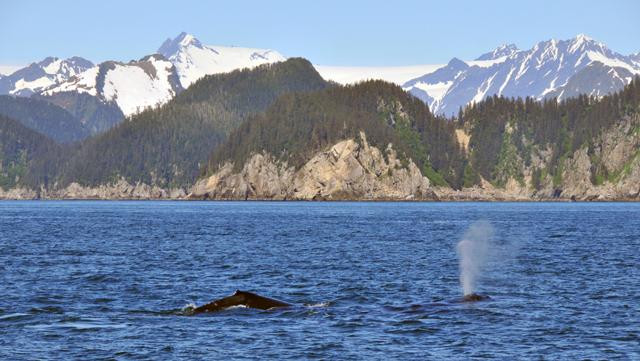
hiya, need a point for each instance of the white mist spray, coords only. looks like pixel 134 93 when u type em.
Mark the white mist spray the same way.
pixel 473 251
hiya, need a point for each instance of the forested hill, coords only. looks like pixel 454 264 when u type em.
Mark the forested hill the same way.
pixel 27 158
pixel 500 148
pixel 168 145
pixel 513 137
pixel 43 117
pixel 297 126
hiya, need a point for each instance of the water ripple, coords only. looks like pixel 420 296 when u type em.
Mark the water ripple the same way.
pixel 117 280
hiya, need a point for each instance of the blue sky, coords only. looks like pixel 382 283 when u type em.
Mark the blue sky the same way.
pixel 326 32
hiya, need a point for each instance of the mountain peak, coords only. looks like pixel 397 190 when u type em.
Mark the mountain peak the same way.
pixel 172 46
pixel 499 52
pixel 457 63
pixel 582 37
pixel 581 42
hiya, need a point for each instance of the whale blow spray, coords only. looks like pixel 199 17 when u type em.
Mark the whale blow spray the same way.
pixel 473 250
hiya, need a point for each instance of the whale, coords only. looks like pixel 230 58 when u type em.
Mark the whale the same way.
pixel 474 297
pixel 241 298
pixel 253 300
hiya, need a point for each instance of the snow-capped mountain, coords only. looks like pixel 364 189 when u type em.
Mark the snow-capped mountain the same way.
pixel 193 60
pixel 38 76
pixel 133 86
pixel 499 52
pixel 635 58
pixel 550 69
pixel 432 87
pixel 136 85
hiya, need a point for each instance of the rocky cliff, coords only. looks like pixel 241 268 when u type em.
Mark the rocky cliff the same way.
pixel 609 169
pixel 118 190
pixel 606 169
pixel 350 169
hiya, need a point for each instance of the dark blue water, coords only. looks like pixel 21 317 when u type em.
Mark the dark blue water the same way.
pixel 112 280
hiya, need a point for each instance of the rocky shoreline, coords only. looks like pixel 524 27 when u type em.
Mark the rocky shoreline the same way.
pixel 353 170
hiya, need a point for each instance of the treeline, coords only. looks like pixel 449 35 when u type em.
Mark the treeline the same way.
pixel 27 158
pixel 94 113
pixel 498 123
pixel 297 126
pixel 43 117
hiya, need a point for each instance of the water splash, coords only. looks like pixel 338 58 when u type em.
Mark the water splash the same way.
pixel 472 251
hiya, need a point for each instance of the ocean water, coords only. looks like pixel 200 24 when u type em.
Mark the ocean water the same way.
pixel 115 280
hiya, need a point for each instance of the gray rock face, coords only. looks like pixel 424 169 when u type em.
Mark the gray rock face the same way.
pixel 617 150
pixel 348 170
pixel 118 190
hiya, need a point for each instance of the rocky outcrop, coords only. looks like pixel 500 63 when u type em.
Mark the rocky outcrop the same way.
pixel 19 193
pixel 118 190
pixel 616 159
pixel 353 169
pixel 513 191
pixel 350 169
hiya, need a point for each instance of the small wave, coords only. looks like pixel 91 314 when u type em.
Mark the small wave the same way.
pixel 47 309
pixel 175 311
pixel 80 325
pixel 319 305
pixel 103 300
pixel 13 316
pixel 189 307
pixel 100 278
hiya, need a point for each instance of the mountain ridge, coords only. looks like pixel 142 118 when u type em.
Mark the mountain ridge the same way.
pixel 537 72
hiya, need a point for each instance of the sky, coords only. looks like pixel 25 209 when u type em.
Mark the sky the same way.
pixel 364 33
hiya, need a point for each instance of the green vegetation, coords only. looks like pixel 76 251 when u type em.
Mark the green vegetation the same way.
pixel 508 164
pixel 564 126
pixel 299 125
pixel 168 145
pixel 44 118
pixel 95 114
pixel 469 176
pixel 26 156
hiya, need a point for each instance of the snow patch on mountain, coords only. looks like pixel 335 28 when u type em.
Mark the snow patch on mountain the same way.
pixel 503 51
pixel 540 72
pixel 193 60
pixel 133 86
pixel 38 76
pixel 393 74
pixel 431 88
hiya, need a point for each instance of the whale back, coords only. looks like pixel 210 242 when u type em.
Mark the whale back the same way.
pixel 241 298
pixel 474 297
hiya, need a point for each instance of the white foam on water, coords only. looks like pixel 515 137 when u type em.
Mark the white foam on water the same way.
pixel 318 305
